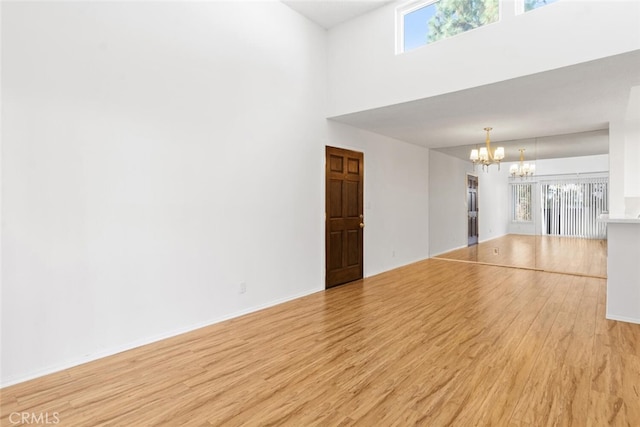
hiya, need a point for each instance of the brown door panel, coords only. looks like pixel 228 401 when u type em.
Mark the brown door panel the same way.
pixel 345 218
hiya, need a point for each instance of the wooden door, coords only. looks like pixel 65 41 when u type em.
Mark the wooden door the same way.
pixel 344 216
pixel 472 208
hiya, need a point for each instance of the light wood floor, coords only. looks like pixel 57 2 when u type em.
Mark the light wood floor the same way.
pixel 569 255
pixel 435 343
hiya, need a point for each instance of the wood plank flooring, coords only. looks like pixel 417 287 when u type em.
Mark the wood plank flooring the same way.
pixel 557 254
pixel 435 343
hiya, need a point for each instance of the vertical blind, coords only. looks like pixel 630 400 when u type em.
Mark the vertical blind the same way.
pixel 571 207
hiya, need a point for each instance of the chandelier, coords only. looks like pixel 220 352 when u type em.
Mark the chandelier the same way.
pixel 522 169
pixel 485 156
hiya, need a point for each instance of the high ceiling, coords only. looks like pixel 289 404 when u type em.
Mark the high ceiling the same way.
pixel 329 13
pixel 575 99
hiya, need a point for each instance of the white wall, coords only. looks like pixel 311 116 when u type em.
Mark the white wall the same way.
pixel 447 202
pixel 157 155
pixel 623 272
pixel 616 167
pixel 551 37
pixel 493 200
pixel 571 165
pixel 623 281
pixel 395 197
pixel 632 153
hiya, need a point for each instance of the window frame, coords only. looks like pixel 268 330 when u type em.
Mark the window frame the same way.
pixel 520 10
pixel 407 8
pixel 401 12
pixel 513 207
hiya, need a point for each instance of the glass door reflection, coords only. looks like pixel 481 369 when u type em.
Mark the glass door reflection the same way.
pixel 538 211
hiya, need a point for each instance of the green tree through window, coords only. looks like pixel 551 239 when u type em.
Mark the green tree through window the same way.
pixel 457 16
pixel 534 4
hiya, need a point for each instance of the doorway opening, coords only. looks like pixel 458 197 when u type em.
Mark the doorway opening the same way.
pixel 472 210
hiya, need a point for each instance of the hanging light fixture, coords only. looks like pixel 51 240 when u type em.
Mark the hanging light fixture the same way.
pixel 522 169
pixel 485 156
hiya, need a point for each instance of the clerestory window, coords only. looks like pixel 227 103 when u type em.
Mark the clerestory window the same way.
pixel 535 4
pixel 426 22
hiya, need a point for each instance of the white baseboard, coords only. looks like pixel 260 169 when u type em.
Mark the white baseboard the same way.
pixel 448 250
pixel 494 237
pixel 622 318
pixel 466 246
pixel 144 341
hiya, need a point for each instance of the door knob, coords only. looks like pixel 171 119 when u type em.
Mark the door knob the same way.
pixel 361 225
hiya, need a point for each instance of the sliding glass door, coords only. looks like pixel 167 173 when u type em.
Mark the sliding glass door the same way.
pixel 570 207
